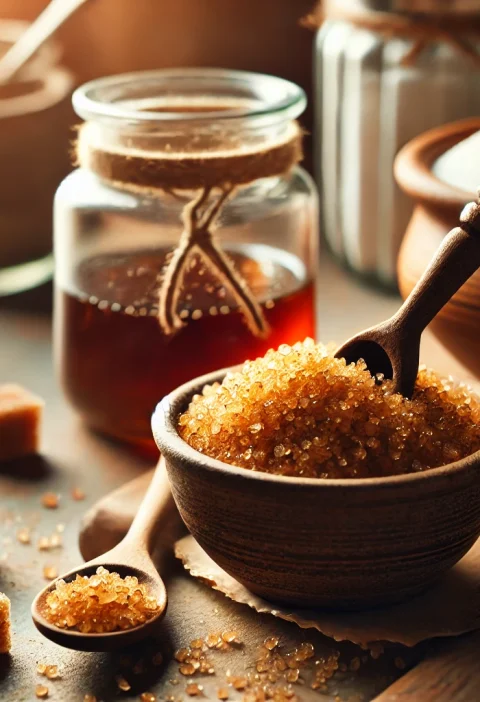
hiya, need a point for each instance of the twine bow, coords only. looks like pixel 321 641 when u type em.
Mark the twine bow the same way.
pixel 213 175
pixel 461 32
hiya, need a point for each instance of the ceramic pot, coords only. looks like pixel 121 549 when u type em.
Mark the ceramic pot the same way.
pixel 344 544
pixel 437 209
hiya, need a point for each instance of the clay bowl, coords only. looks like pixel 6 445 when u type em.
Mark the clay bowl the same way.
pixel 344 544
pixel 438 206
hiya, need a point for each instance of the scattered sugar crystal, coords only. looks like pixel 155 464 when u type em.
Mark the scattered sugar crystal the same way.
pixel 50 572
pixel 78 494
pixel 181 655
pixel 230 637
pixel 239 682
pixel 196 643
pixel 50 500
pixel 147 697
pixel 51 672
pixel 187 669
pixel 41 691
pixel 292 675
pixel 213 640
pixel 300 411
pixel 271 643
pixel 123 684
pixel 24 535
pixel 193 689
pixel 100 603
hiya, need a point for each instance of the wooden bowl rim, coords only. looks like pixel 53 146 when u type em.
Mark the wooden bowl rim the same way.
pixel 413 164
pixel 53 88
pixel 164 427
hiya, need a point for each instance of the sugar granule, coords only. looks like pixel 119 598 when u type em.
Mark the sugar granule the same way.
pixel 193 689
pixel 24 535
pixel 123 684
pixel 299 411
pixel 100 603
pixel 50 500
pixel 78 494
pixel 50 572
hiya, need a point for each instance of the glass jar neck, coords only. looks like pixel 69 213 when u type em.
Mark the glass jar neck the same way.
pixel 189 110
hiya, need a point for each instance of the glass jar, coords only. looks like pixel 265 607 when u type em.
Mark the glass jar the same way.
pixel 386 71
pixel 119 230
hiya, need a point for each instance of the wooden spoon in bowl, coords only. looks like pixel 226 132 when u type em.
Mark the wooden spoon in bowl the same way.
pixel 392 348
pixel 130 557
pixel 46 24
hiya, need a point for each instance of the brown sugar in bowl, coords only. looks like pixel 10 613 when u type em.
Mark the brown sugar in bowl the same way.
pixel 344 544
pixel 438 205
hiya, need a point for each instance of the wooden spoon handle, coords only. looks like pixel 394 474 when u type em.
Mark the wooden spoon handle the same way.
pixel 456 260
pixel 46 24
pixel 158 501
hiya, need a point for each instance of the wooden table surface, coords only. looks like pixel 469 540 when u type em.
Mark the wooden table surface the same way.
pixel 73 457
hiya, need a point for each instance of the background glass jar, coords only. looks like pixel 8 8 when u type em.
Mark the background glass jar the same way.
pixel 113 243
pixel 378 87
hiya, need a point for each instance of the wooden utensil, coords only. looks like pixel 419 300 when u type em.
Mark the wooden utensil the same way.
pixel 437 205
pixel 132 556
pixel 46 24
pixel 392 348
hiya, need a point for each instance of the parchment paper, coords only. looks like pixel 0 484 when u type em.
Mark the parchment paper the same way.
pixel 449 608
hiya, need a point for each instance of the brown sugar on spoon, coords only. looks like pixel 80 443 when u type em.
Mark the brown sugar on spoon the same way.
pixel 100 603
pixel 299 411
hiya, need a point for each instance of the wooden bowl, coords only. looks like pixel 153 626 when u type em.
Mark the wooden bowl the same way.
pixel 438 206
pixel 346 544
pixel 35 136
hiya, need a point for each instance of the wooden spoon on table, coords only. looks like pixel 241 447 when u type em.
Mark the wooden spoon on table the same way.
pixel 46 24
pixel 392 348
pixel 132 556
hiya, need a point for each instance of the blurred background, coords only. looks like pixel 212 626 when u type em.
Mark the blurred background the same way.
pixel 365 103
pixel 113 36
pixel 105 37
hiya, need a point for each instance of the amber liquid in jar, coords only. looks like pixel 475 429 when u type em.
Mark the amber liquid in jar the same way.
pixel 116 363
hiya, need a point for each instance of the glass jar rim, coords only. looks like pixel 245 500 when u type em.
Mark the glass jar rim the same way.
pixel 112 99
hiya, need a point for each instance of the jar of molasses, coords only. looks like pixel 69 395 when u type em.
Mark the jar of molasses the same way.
pixel 186 240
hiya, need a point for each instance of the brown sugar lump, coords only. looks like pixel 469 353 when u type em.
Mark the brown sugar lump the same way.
pixel 299 411
pixel 20 420
pixel 100 603
pixel 5 633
